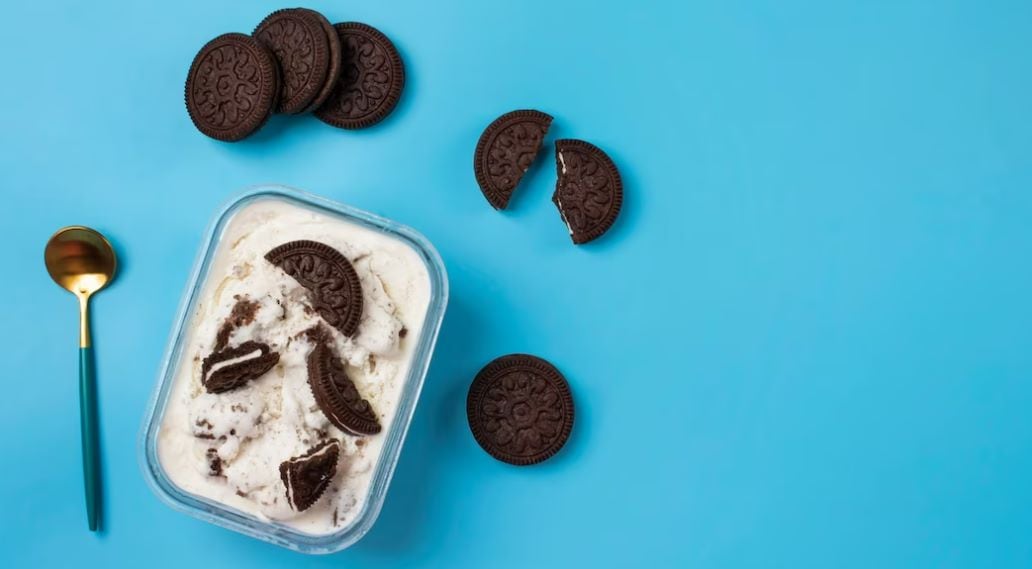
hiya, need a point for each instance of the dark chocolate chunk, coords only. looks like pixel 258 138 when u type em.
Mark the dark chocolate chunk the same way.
pixel 371 79
pixel 218 378
pixel 242 314
pixel 302 49
pixel 214 462
pixel 589 191
pixel 505 152
pixel 306 477
pixel 316 334
pixel 520 409
pixel 328 276
pixel 232 87
pixel 336 394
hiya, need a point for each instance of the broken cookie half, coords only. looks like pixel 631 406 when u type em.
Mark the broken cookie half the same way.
pixel 335 392
pixel 334 287
pixel 506 150
pixel 589 191
pixel 306 477
pixel 230 368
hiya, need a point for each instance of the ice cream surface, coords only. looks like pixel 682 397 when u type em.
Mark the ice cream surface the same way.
pixel 228 447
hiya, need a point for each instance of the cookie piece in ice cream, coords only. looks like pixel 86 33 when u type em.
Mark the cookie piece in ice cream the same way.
pixel 336 394
pixel 329 277
pixel 306 477
pixel 231 368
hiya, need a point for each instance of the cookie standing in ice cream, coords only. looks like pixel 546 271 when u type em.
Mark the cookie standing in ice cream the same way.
pixel 298 351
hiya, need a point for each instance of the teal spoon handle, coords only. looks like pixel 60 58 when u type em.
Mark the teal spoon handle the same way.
pixel 88 426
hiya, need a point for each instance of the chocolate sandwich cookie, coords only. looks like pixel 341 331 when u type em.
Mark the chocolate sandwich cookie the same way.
pixel 505 152
pixel 232 87
pixel 302 48
pixel 306 477
pixel 336 291
pixel 336 58
pixel 520 409
pixel 336 394
pixel 231 368
pixel 589 191
pixel 371 79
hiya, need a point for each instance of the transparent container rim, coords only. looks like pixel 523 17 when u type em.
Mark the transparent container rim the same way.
pixel 225 516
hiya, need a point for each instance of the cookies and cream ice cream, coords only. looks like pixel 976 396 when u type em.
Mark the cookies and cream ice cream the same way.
pixel 242 419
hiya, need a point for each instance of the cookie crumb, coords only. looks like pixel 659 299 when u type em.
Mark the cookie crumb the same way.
pixel 214 462
pixel 241 314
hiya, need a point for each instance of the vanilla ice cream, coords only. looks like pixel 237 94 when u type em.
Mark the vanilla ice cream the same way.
pixel 228 446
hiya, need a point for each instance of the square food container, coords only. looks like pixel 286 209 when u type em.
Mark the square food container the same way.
pixel 394 433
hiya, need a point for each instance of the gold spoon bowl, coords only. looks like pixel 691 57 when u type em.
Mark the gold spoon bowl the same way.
pixel 82 261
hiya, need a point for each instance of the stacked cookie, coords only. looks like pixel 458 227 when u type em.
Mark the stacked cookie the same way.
pixel 349 75
pixel 588 192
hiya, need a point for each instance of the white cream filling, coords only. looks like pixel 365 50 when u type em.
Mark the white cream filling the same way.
pixel 233 361
pixel 558 198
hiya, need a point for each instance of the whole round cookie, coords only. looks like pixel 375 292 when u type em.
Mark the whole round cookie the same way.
pixel 232 87
pixel 372 77
pixel 589 192
pixel 505 152
pixel 520 409
pixel 303 50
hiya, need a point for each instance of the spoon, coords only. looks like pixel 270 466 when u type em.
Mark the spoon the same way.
pixel 82 261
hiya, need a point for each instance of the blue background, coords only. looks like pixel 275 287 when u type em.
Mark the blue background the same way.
pixel 804 344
